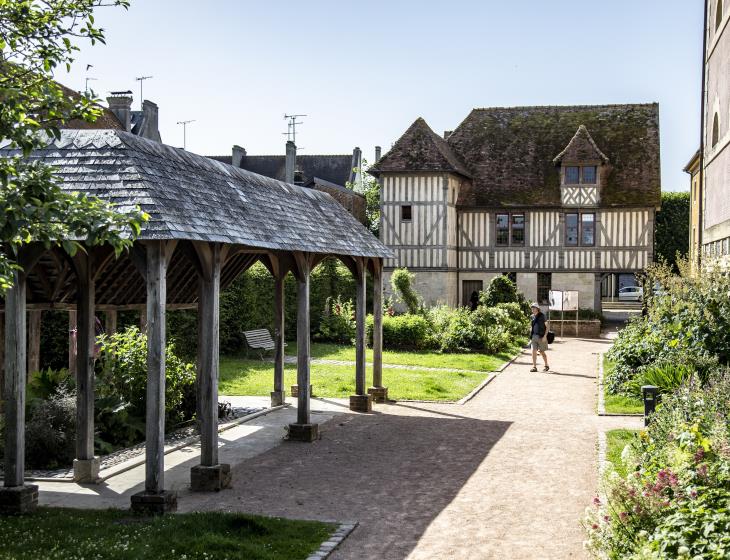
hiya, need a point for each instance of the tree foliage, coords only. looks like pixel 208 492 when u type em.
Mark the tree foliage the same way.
pixel 36 40
pixel 671 229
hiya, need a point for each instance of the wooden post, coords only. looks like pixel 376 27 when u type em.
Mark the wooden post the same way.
pixel 86 466
pixel 154 497
pixel 361 401
pixel 303 430
pixel 72 342
pixel 15 495
pixel 111 322
pixel 209 475
pixel 34 341
pixel 379 393
pixel 278 396
pixel 2 358
pixel 143 320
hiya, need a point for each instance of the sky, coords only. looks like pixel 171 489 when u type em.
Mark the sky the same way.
pixel 362 72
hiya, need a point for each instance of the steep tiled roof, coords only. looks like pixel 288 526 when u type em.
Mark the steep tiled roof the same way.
pixel 581 147
pixel 509 153
pixel 335 168
pixel 420 149
pixel 195 198
pixel 107 119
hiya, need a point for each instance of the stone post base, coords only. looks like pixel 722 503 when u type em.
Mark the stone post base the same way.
pixel 87 470
pixel 304 432
pixel 295 391
pixel 210 479
pixel 278 398
pixel 379 394
pixel 15 500
pixel 154 502
pixel 361 403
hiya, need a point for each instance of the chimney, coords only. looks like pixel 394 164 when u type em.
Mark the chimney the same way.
pixel 238 154
pixel 447 133
pixel 291 161
pixel 151 126
pixel 120 103
pixel 377 153
pixel 355 165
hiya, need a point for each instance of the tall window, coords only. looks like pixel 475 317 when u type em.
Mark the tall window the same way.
pixel 572 175
pixel 589 175
pixel 718 15
pixel 518 229
pixel 544 285
pixel 406 213
pixel 502 229
pixel 715 130
pixel 580 229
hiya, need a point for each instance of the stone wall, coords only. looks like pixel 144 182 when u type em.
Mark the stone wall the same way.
pixel 436 287
pixel 583 282
pixel 586 329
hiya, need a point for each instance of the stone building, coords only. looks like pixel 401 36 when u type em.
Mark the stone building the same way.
pixel 326 173
pixel 713 202
pixel 693 169
pixel 555 197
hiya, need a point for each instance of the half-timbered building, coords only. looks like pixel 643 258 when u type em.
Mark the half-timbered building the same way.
pixel 555 197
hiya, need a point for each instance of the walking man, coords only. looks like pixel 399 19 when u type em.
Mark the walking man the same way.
pixel 538 337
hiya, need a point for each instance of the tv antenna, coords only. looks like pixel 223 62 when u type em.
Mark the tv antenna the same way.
pixel 141 80
pixel 291 132
pixel 185 131
pixel 88 79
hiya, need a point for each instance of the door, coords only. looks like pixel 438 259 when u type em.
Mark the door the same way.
pixel 468 287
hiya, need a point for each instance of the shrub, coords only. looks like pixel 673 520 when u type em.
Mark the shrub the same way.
pixel 338 322
pixel 462 333
pixel 50 433
pixel 402 283
pixel 405 332
pixel 502 290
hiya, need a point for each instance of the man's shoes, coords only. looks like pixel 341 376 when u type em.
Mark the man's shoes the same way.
pixel 546 368
pixel 533 369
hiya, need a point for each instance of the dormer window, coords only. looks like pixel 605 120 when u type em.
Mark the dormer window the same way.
pixel 589 175
pixel 580 175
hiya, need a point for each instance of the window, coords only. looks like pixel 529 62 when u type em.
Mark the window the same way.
pixel 715 130
pixel 544 285
pixel 580 227
pixel 406 213
pixel 502 229
pixel 571 229
pixel 587 229
pixel 572 175
pixel 518 229
pixel 718 15
pixel 589 175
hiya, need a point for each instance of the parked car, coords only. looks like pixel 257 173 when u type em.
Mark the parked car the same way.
pixel 631 293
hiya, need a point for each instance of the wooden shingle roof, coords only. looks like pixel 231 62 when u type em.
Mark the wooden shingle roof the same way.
pixel 191 197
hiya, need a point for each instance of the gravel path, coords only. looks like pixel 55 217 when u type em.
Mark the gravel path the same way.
pixel 506 476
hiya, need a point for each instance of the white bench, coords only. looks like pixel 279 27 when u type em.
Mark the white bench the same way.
pixel 260 339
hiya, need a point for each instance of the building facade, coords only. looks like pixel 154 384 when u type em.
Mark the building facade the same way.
pixel 693 169
pixel 714 199
pixel 554 197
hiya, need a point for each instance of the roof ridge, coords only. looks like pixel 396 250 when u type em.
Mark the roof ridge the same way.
pixel 579 106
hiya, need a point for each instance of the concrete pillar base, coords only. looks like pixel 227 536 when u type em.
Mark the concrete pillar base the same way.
pixel 154 502
pixel 304 432
pixel 361 403
pixel 295 391
pixel 379 394
pixel 210 479
pixel 17 500
pixel 87 470
pixel 278 398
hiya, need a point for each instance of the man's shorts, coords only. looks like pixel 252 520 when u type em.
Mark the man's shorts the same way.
pixel 539 343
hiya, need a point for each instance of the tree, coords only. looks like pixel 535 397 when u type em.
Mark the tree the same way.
pixel 371 190
pixel 671 228
pixel 38 38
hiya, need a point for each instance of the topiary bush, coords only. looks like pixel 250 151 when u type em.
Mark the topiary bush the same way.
pixel 402 283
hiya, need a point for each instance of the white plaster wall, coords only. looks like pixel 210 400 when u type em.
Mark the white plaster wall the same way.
pixel 527 284
pixel 583 282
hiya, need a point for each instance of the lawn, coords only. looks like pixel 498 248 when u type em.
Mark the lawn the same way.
pixel 71 534
pixel 240 376
pixel 616 441
pixel 619 404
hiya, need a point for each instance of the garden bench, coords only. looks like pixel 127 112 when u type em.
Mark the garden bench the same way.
pixel 260 339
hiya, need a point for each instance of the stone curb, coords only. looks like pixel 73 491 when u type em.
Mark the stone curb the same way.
pixel 477 389
pixel 136 462
pixel 328 547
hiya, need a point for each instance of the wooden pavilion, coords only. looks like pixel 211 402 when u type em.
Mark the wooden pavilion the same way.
pixel 209 222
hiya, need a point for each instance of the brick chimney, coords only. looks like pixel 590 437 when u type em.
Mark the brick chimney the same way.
pixel 150 114
pixel 356 163
pixel 377 153
pixel 237 155
pixel 120 103
pixel 291 161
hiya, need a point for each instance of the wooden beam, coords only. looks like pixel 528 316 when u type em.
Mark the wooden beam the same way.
pixel 377 323
pixel 34 341
pixel 110 326
pixel 72 341
pixel 360 299
pixel 278 396
pixel 2 358
pixel 15 378
pixel 156 276
pixel 303 338
pixel 85 341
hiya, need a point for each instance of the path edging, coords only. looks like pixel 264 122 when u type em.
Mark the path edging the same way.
pixel 328 547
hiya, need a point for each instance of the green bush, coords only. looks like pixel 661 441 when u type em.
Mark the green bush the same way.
pixel 502 290
pixel 50 432
pixel 401 282
pixel 406 332
pixel 338 322
pixel 462 333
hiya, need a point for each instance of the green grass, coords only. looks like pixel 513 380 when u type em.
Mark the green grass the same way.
pixel 616 440
pixel 253 377
pixel 619 404
pixel 72 534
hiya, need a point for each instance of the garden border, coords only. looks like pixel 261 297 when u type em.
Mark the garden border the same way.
pixel 343 531
pixel 602 395
pixel 136 462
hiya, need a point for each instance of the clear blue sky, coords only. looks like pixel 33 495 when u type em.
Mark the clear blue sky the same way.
pixel 362 72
